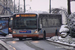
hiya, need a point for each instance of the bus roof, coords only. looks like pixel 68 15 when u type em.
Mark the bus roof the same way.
pixel 5 15
pixel 36 13
pixel 48 14
pixel 24 13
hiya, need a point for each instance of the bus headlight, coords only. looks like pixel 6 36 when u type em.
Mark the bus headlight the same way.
pixel 11 18
pixel 36 32
pixel 14 32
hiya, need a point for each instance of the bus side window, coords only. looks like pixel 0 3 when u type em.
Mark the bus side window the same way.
pixel 40 25
pixel 44 22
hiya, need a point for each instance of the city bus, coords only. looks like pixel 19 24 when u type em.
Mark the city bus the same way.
pixel 25 25
pixel 33 25
pixel 4 24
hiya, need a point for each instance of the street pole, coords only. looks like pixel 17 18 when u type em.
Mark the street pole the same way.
pixel 49 6
pixel 24 6
pixel 69 10
pixel 19 6
pixel 14 6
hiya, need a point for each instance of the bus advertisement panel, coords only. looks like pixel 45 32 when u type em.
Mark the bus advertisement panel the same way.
pixel 4 25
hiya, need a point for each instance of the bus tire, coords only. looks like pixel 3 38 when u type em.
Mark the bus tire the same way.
pixel 20 39
pixel 35 38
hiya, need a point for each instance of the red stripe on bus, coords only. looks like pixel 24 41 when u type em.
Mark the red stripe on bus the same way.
pixel 25 35
pixel 34 35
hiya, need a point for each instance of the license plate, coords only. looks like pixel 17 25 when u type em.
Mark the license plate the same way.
pixel 24 36
pixel 27 31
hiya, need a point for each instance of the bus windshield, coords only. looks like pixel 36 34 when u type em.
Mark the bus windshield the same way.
pixel 25 23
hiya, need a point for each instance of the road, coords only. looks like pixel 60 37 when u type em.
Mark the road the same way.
pixel 30 44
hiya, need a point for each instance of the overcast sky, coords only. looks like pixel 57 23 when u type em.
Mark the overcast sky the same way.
pixel 43 5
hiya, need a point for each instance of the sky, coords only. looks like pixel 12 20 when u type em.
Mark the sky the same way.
pixel 43 5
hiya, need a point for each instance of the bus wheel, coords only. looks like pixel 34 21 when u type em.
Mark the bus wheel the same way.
pixel 20 38
pixel 35 38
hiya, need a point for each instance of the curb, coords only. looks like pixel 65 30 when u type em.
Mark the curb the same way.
pixel 6 45
pixel 61 43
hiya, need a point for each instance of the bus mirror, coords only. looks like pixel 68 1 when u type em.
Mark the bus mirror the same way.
pixel 40 25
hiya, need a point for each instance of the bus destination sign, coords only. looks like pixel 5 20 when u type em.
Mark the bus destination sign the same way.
pixel 28 15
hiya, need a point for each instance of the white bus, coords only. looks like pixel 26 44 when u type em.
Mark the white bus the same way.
pixel 25 25
pixel 32 25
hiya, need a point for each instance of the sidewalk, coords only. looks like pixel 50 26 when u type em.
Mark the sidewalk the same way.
pixel 5 46
pixel 68 41
pixel 8 36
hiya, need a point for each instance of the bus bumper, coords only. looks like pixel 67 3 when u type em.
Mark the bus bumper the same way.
pixel 25 35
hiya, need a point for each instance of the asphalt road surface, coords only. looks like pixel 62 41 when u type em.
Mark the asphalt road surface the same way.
pixel 33 45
